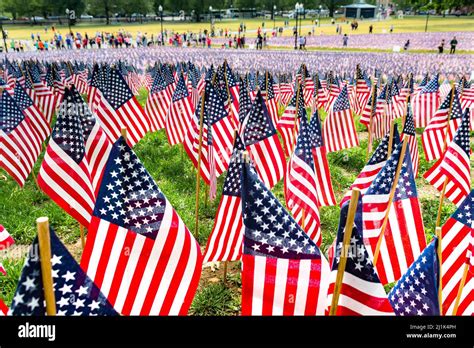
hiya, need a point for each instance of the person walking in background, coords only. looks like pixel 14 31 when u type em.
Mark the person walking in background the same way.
pixel 453 44
pixel 407 44
pixel 441 47
pixel 345 39
pixel 371 28
pixel 391 29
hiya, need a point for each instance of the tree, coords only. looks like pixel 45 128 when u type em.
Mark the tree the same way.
pixel 104 7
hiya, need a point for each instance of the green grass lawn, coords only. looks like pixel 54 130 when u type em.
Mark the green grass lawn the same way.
pixel 174 174
pixel 409 24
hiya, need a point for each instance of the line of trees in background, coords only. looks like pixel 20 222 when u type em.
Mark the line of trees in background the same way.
pixel 127 8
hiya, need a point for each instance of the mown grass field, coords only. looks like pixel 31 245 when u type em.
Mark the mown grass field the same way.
pixel 174 174
pixel 408 24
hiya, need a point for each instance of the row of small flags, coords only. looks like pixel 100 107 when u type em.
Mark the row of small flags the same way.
pixel 101 183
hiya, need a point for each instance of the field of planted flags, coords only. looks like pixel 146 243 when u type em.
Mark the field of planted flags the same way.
pixel 159 181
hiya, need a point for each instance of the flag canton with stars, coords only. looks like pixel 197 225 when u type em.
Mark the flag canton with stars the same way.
pixel 22 99
pixel 181 90
pixel 128 196
pixel 406 187
pixel 465 213
pixel 304 143
pixel 315 131
pixel 85 115
pixel 245 104
pixel 409 127
pixel 232 185
pixel 74 291
pixel 432 86
pixel 416 293
pixel 461 138
pixel 117 92
pixel 214 108
pixel 269 229
pixel 10 114
pixel 159 83
pixel 342 101
pixel 381 153
pixel 35 75
pixel 259 124
pixel 358 263
pixel 49 78
pixel 96 77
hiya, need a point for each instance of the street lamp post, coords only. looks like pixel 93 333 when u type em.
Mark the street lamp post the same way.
pixel 210 20
pixel 297 6
pixel 71 16
pixel 427 16
pixel 160 8
pixel 4 36
pixel 273 15
pixel 319 15
pixel 301 17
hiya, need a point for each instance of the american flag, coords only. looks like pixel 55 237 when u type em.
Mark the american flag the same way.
pixel 245 104
pixel 31 111
pixel 373 166
pixel 289 123
pixel 307 83
pixel 3 308
pixel 138 250
pixel 269 95
pixel 324 189
pixel 440 131
pixel 397 102
pixel 416 293
pixel 426 102
pixel 333 91
pixel 466 90
pixel 361 292
pixel 301 184
pixel 215 120
pixel 283 270
pixel 320 97
pixel 410 133
pixel 158 102
pixel 404 237
pixel 45 97
pixel 5 241
pixel 95 86
pixel 233 88
pixel 339 131
pixel 466 297
pixel 74 292
pixel 457 234
pixel 225 241
pixel 96 143
pixel 65 174
pixel 454 167
pixel 119 109
pixel 179 114
pixel 20 143
pixel 261 140
pixel 363 86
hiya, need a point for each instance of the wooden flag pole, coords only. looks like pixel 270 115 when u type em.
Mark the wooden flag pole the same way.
pixel 341 268
pixel 439 251
pixel 42 224
pixel 390 139
pixel 83 238
pixel 198 171
pixel 461 286
pixel 392 194
pixel 123 132
pixel 443 191
pixel 303 217
pixel 371 122
pixel 297 105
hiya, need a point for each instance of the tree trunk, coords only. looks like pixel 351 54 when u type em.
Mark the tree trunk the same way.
pixel 107 14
